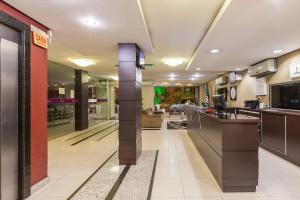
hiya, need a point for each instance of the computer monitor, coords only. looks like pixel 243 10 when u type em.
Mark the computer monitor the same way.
pixel 219 103
pixel 253 104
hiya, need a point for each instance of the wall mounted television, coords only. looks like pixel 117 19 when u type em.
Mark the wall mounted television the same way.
pixel 285 96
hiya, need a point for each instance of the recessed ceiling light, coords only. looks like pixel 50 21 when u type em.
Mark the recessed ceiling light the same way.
pixel 198 68
pixel 91 22
pixel 214 51
pixel 116 78
pixel 173 62
pixel 198 75
pixel 238 68
pixel 82 62
pixel 172 79
pixel 277 51
pixel 193 79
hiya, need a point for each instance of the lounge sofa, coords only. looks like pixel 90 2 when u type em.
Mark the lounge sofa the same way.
pixel 151 120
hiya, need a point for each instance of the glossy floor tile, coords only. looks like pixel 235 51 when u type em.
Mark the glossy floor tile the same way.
pixel 180 174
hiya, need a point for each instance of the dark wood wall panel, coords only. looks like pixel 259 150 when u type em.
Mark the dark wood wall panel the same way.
pixel 293 138
pixel 273 131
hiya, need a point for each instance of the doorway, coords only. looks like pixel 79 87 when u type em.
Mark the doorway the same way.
pixel 14 109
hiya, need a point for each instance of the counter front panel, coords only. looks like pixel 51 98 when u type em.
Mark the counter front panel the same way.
pixel 229 146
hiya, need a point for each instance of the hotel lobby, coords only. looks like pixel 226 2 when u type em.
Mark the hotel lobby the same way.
pixel 150 100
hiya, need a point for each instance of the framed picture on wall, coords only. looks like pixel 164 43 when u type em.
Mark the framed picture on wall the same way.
pixel 233 93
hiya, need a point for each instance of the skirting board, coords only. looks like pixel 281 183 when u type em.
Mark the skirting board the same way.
pixel 39 185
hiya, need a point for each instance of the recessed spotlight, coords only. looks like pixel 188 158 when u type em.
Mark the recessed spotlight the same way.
pixel 91 22
pixel 82 62
pixel 277 51
pixel 173 62
pixel 193 79
pixel 214 51
pixel 198 68
pixel 172 79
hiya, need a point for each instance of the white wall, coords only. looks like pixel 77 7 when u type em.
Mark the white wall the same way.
pixel 148 97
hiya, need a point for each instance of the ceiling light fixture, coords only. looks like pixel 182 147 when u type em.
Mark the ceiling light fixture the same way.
pixel 277 51
pixel 173 62
pixel 115 78
pixel 214 51
pixel 91 22
pixel 197 75
pixel 172 79
pixel 82 62
pixel 193 79
pixel 198 68
pixel 172 75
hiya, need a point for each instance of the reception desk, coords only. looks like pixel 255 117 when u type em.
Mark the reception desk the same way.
pixel 229 146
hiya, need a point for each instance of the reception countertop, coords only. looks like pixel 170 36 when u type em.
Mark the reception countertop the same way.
pixel 229 145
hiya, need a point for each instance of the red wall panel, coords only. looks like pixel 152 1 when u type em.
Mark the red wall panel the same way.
pixel 38 103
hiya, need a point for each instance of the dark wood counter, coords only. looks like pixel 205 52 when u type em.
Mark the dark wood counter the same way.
pixel 229 146
pixel 279 131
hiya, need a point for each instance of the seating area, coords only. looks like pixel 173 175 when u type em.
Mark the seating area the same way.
pixel 151 120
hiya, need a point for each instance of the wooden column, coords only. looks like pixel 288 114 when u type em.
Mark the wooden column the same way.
pixel 81 94
pixel 130 80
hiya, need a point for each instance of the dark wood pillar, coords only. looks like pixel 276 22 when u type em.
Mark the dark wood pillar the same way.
pixel 130 81
pixel 81 94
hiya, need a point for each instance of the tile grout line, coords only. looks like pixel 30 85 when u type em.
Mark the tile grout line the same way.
pixel 89 178
pixel 117 184
pixel 93 134
pixel 107 134
pixel 92 129
pixel 178 168
pixel 152 177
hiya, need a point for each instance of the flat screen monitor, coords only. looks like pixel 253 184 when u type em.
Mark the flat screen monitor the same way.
pixel 219 103
pixel 285 96
pixel 253 104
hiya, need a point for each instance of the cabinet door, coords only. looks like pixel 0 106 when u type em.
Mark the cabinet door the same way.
pixel 293 138
pixel 273 131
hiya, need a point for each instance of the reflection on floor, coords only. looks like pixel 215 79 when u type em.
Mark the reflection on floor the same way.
pixel 70 165
pixel 181 174
pixel 64 127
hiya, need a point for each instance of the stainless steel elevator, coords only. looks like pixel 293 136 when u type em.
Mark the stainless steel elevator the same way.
pixel 9 49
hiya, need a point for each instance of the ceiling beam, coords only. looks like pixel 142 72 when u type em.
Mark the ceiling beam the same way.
pixel 209 30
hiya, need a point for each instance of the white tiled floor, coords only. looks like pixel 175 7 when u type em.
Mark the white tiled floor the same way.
pixel 69 166
pixel 181 173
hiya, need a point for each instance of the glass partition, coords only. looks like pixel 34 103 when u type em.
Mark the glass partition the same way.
pixel 61 100
pixel 98 100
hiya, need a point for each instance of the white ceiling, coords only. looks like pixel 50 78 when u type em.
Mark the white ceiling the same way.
pixel 245 31
pixel 248 32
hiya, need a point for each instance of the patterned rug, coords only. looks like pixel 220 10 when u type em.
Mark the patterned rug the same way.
pixel 179 125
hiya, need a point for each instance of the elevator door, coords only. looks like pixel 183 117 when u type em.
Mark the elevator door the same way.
pixel 9 112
